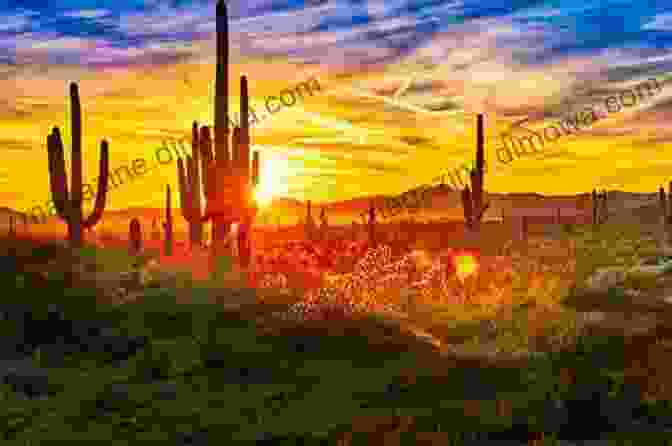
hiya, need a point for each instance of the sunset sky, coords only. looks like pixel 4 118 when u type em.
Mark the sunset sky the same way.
pixel 145 70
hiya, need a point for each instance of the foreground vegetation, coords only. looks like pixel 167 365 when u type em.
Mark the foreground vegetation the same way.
pixel 197 372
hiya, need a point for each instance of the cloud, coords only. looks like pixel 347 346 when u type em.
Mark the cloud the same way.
pixel 87 13
pixel 661 22
pixel 15 22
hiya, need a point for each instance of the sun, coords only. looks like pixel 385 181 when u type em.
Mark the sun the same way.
pixel 273 174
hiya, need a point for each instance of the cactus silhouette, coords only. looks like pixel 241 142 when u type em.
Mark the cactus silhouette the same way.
pixel 524 228
pixel 324 223
pixel 12 227
pixel 69 205
pixel 168 226
pixel 595 204
pixel 600 210
pixel 190 183
pixel 156 233
pixel 472 199
pixel 26 229
pixel 228 179
pixel 135 237
pixel 309 224
pixel 372 225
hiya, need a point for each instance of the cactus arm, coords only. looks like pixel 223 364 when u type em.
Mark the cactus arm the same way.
pixel 244 140
pixel 195 181
pixel 467 206
pixel 482 211
pixel 189 182
pixel 255 169
pixel 57 176
pixel 184 189
pixel 475 196
pixel 169 215
pixel 235 146
pixel 76 177
pixel 101 191
pixel 190 200
pixel 206 156
pixel 195 186
pixel 168 225
pixel 195 142
pixel 222 86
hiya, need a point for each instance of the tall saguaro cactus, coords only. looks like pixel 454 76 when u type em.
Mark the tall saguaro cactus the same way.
pixel 372 225
pixel 191 200
pixel 472 199
pixel 134 237
pixel 228 177
pixel 168 226
pixel 665 217
pixel 604 213
pixel 156 233
pixel 324 224
pixel 309 224
pixel 595 204
pixel 69 205
pixel 600 209
pixel 12 227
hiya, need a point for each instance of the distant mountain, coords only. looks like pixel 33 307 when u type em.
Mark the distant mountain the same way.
pixel 444 203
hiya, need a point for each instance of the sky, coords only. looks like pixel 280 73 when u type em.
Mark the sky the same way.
pixel 400 85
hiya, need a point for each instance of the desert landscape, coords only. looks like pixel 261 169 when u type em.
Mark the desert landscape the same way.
pixel 228 312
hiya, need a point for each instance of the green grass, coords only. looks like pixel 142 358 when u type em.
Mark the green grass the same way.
pixel 307 394
pixel 117 259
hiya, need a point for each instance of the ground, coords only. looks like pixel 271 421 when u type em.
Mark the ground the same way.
pixel 193 359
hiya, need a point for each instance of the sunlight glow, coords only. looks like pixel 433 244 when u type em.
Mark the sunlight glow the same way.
pixel 465 266
pixel 274 172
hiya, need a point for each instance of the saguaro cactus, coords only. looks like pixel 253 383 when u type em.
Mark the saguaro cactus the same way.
pixel 600 209
pixel 524 228
pixel 229 181
pixel 324 221
pixel 665 217
pixel 662 201
pixel 190 185
pixel 595 203
pixel 135 237
pixel 156 233
pixel 168 226
pixel 26 229
pixel 372 225
pixel 324 224
pixel 69 205
pixel 604 213
pixel 472 199
pixel 309 224
pixel 12 227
